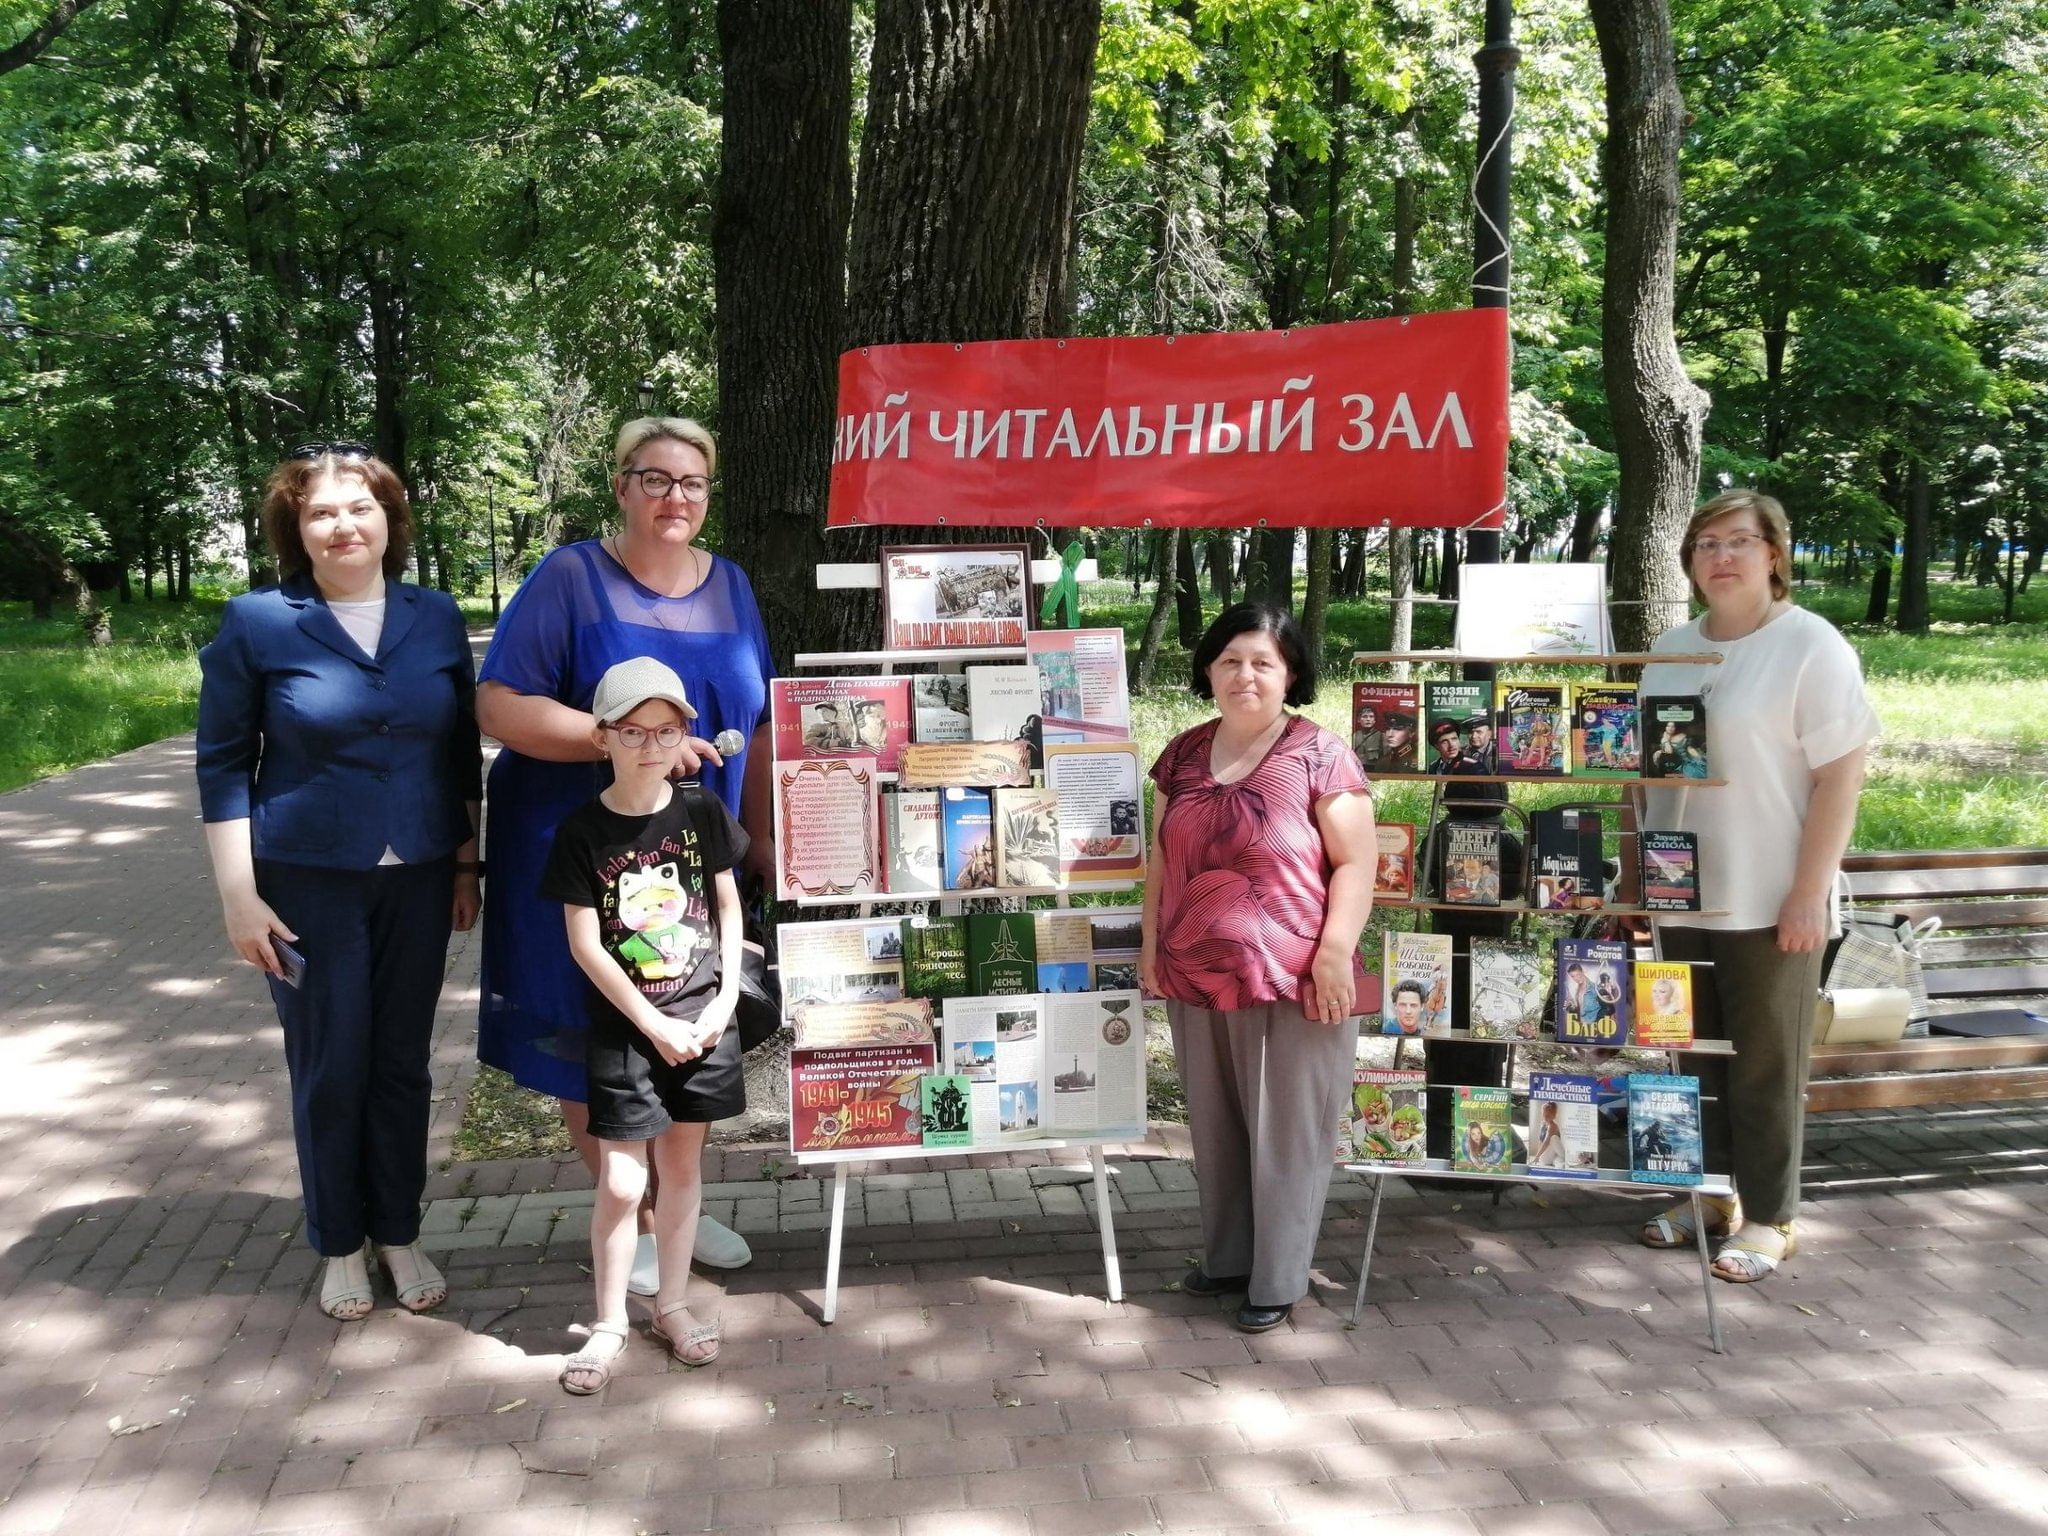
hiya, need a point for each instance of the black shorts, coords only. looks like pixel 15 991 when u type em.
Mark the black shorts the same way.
pixel 635 1095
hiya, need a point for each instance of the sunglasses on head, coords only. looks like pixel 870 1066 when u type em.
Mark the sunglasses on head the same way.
pixel 340 450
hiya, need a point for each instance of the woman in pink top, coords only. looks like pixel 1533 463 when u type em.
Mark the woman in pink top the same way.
pixel 1260 884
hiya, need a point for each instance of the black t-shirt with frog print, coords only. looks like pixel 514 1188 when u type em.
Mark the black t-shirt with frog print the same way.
pixel 651 880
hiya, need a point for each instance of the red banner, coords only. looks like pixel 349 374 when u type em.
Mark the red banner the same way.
pixel 1399 421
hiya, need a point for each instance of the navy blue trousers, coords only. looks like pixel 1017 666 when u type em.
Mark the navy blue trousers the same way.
pixel 358 1039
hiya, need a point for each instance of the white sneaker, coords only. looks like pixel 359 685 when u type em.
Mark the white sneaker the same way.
pixel 645 1279
pixel 719 1247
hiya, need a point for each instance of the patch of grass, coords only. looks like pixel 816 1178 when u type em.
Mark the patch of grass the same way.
pixel 503 1119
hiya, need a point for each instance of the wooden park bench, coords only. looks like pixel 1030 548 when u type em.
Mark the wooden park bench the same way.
pixel 1986 970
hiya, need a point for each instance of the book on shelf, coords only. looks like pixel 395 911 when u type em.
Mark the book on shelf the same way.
pixel 1065 950
pixel 1670 871
pixel 855 1072
pixel 1674 736
pixel 1101 809
pixel 955 596
pixel 938 707
pixel 840 717
pixel 1393 873
pixel 1534 725
pixel 1472 863
pixel 828 828
pixel 1606 731
pixel 1570 874
pixel 1482 1123
pixel 934 955
pixel 967 824
pixel 859 960
pixel 963 764
pixel 948 1106
pixel 1003 705
pixel 1002 953
pixel 1458 721
pixel 1509 990
pixel 1415 984
pixel 1563 1138
pixel 1047 1066
pixel 917 841
pixel 1387 1116
pixel 1663 1004
pixel 1664 1145
pixel 1592 992
pixel 1384 726
pixel 1027 832
pixel 1084 693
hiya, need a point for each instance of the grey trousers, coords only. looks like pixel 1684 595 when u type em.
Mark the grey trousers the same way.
pixel 1761 1000
pixel 1265 1088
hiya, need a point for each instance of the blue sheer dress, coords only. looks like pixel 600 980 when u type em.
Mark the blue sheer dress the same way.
pixel 577 614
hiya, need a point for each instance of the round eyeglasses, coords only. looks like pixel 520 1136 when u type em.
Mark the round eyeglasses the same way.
pixel 657 483
pixel 634 737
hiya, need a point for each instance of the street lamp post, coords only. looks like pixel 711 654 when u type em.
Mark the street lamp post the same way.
pixel 491 503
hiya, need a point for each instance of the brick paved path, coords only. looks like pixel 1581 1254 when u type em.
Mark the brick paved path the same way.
pixel 1525 1368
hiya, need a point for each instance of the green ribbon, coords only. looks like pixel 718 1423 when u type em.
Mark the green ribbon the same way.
pixel 1065 592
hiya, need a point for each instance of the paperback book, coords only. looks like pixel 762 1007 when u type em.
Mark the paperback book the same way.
pixel 1563 1137
pixel 1384 725
pixel 1101 825
pixel 1027 828
pixel 1674 736
pixel 1002 705
pixel 840 717
pixel 1534 726
pixel 1387 1116
pixel 1458 721
pixel 1393 874
pixel 938 707
pixel 967 821
pixel 1592 992
pixel 1082 687
pixel 1482 1121
pixel 1567 859
pixel 1509 990
pixel 1472 863
pixel 1670 871
pixel 934 956
pixel 1002 954
pixel 1415 984
pixel 917 841
pixel 1664 1129
pixel 1606 731
pixel 855 1072
pixel 1663 1004
pixel 948 1111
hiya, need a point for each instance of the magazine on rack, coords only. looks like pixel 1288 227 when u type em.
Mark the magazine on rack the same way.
pixel 1083 691
pixel 1415 983
pixel 1387 1113
pixel 840 717
pixel 1101 809
pixel 1048 1066
pixel 951 596
pixel 1563 1138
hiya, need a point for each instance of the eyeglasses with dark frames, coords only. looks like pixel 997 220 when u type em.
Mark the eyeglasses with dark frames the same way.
pixel 658 483
pixel 340 450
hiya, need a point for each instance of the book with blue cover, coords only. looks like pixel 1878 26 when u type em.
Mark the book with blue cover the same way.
pixel 970 846
pixel 1592 992
pixel 1664 1145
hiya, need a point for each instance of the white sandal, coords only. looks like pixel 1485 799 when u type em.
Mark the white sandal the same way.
pixel 696 1347
pixel 420 1286
pixel 1674 1228
pixel 1754 1252
pixel 345 1293
pixel 593 1371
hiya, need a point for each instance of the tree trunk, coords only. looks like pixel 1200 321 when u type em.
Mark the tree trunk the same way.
pixel 1913 559
pixel 1219 550
pixel 1400 589
pixel 1276 563
pixel 1880 589
pixel 1315 597
pixel 1447 565
pixel 781 292
pixel 970 150
pixel 1657 411
pixel 1162 607
pixel 1187 588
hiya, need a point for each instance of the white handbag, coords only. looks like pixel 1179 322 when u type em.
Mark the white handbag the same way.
pixel 1861 1016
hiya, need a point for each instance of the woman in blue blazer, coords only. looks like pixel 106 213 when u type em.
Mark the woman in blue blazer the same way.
pixel 339 779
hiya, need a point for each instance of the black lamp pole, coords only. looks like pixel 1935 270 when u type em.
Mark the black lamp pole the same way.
pixel 491 503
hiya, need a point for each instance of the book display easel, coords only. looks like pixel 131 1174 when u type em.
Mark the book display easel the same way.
pixel 1508 733
pixel 947 1017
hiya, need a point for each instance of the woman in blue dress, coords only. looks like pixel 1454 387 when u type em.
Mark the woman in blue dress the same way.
pixel 647 590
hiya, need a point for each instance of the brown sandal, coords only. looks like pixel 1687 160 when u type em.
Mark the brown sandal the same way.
pixel 697 1346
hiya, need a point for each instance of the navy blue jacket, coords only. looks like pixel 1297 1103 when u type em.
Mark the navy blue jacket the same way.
pixel 330 755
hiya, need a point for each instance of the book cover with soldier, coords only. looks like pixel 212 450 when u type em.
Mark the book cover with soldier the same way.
pixel 840 717
pixel 1385 718
pixel 948 1111
pixel 1457 720
pixel 1472 864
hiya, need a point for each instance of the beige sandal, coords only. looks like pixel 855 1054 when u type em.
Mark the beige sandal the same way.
pixel 345 1293
pixel 1754 1252
pixel 1674 1229
pixel 589 1371
pixel 419 1285
pixel 698 1346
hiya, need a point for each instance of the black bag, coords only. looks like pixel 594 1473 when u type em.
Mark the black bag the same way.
pixel 757 1013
